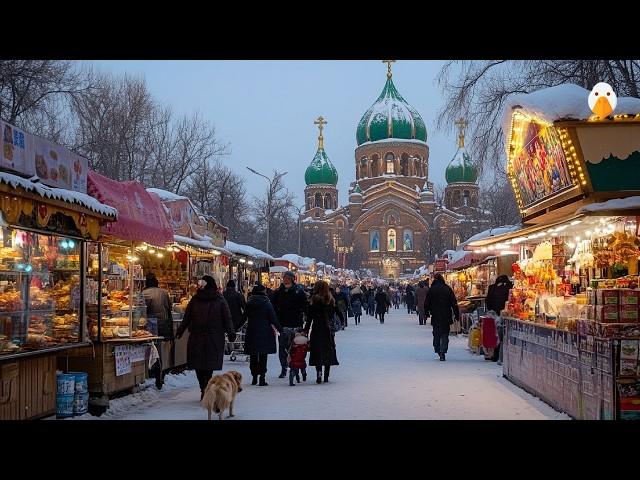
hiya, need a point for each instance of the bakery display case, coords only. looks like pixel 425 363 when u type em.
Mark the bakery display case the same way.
pixel 40 301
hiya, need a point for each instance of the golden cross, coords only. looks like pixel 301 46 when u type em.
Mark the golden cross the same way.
pixel 388 62
pixel 320 122
pixel 461 123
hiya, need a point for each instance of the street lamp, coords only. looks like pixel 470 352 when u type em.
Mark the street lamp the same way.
pixel 299 210
pixel 269 199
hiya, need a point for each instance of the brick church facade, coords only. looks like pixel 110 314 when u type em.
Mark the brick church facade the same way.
pixel 392 223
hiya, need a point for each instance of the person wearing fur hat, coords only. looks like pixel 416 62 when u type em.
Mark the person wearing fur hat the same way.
pixel 298 357
pixel 208 318
pixel 322 343
pixel 290 303
pixel 260 337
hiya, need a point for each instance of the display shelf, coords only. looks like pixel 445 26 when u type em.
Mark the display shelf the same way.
pixel 130 340
pixel 19 312
pixel 32 273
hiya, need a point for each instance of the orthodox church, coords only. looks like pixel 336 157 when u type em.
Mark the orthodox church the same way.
pixel 392 223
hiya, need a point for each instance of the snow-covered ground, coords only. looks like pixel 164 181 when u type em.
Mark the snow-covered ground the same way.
pixel 386 372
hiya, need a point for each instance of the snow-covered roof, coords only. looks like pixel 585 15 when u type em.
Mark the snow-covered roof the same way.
pixel 246 250
pixel 320 264
pixel 562 102
pixel 492 232
pixel 297 260
pixel 165 195
pixel 67 196
pixel 629 203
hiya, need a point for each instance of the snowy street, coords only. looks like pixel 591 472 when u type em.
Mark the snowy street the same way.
pixel 387 372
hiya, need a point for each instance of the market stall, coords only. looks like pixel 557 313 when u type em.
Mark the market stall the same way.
pixel 43 229
pixel 249 266
pixel 571 320
pixel 198 243
pixel 116 309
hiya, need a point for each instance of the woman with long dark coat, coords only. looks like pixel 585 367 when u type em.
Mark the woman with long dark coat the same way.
pixel 382 304
pixel 322 343
pixel 260 337
pixel 208 318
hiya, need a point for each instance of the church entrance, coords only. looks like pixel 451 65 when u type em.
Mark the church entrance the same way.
pixel 391 267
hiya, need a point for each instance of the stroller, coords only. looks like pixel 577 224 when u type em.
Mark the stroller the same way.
pixel 235 348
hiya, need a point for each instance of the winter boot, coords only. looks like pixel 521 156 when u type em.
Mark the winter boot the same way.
pixel 263 382
pixel 304 375
pixel 442 357
pixel 254 380
pixel 291 384
pixel 297 377
pixel 326 374
pixel 283 373
pixel 319 378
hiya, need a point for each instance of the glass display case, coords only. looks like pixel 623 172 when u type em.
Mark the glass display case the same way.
pixel 114 286
pixel 40 301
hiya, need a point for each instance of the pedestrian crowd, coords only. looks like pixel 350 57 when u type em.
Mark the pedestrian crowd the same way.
pixel 294 321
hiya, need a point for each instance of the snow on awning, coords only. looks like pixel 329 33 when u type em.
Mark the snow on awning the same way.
pixel 492 232
pixel 141 217
pixel 606 208
pixel 562 102
pixel 246 250
pixel 67 196
pixel 205 244
pixel 470 258
pixel 278 269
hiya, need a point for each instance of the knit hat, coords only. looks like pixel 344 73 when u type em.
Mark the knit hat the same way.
pixel 290 274
pixel 211 283
pixel 257 289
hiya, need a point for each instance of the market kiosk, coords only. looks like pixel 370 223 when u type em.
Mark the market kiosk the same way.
pixel 572 330
pixel 120 329
pixel 44 223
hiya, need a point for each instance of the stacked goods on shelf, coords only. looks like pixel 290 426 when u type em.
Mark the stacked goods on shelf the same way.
pixel 66 327
pixel 11 302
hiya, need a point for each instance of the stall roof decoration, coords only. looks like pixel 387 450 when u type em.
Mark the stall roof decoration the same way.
pixel 300 262
pixel 492 232
pixel 204 244
pixel 246 250
pixel 187 221
pixel 562 102
pixel 67 196
pixel 629 203
pixel 141 217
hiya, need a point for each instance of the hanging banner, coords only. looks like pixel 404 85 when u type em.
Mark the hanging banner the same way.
pixel 55 165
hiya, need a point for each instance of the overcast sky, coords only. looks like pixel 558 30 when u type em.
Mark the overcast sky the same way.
pixel 266 109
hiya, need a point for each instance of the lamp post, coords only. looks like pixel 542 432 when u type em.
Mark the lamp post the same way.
pixel 299 210
pixel 269 198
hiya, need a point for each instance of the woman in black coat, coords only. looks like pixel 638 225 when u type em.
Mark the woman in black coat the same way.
pixel 322 343
pixel 382 302
pixel 442 306
pixel 410 299
pixel 208 318
pixel 260 338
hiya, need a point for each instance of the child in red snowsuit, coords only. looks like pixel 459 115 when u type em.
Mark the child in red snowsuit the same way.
pixel 298 357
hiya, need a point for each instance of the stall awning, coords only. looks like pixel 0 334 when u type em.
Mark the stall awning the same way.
pixel 523 233
pixel 470 258
pixel 203 245
pixel 278 269
pixel 141 217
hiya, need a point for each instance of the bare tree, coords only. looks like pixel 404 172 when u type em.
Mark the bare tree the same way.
pixel 219 191
pixel 32 92
pixel 478 90
pixel 499 203
pixel 283 221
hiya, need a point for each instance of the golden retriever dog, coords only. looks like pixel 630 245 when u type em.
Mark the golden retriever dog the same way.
pixel 221 392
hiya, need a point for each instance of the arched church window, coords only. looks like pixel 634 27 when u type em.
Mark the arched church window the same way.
pixel 407 240
pixel 391 240
pixel 339 224
pixel 404 164
pixel 390 160
pixel 374 241
pixel 456 240
pixel 327 201
pixel 318 200
pixel 374 166
pixel 465 198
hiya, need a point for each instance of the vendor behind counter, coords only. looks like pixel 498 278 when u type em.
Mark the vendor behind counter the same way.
pixel 158 306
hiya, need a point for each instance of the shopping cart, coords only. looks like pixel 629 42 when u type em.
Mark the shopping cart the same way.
pixel 235 348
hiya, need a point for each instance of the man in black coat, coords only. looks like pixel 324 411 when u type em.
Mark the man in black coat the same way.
pixel 441 304
pixel 236 303
pixel 290 303
pixel 497 297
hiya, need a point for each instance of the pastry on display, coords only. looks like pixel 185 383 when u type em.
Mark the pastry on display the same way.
pixel 11 302
pixel 141 334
